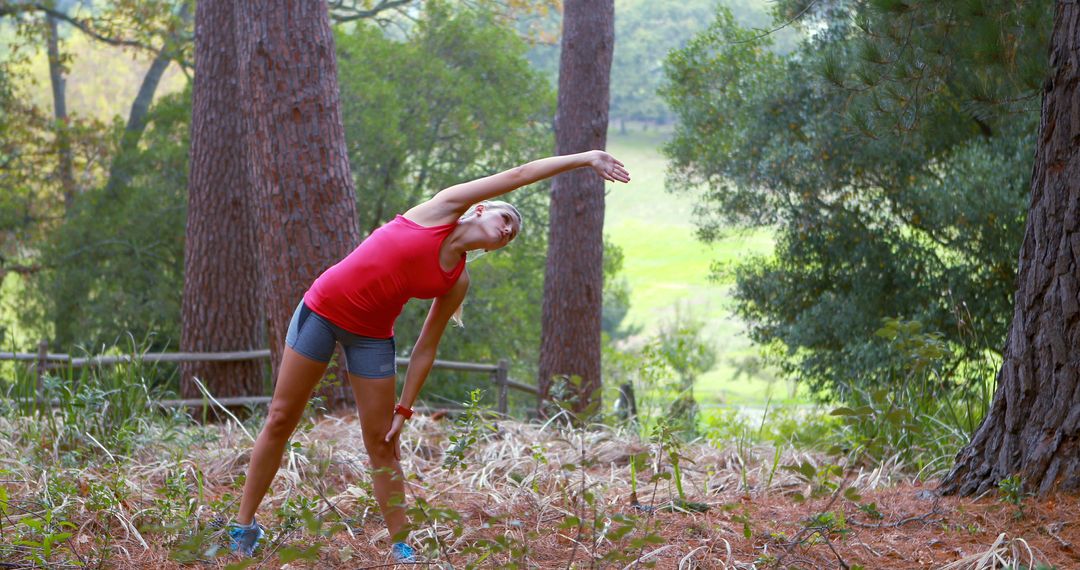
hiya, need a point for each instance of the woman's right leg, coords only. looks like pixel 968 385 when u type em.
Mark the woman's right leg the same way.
pixel 297 377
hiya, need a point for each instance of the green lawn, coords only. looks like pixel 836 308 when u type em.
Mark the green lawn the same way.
pixel 668 268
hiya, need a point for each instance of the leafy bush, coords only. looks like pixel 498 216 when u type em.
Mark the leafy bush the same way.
pixel 892 157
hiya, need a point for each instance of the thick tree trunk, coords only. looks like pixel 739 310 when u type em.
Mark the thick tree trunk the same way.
pixel 573 279
pixel 297 158
pixel 1032 429
pixel 221 279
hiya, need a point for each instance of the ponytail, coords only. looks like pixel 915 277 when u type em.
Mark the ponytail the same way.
pixel 456 317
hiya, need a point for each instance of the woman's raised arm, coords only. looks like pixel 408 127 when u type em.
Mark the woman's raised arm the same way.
pixel 455 200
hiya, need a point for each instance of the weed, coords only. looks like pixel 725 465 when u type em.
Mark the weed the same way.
pixel 473 424
pixel 1011 491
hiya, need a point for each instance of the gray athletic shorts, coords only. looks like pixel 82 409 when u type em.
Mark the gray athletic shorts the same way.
pixel 315 337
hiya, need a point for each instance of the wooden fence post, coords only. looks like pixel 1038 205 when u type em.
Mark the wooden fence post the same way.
pixel 502 374
pixel 43 354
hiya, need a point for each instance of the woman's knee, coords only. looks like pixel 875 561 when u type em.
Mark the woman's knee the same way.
pixel 380 452
pixel 281 422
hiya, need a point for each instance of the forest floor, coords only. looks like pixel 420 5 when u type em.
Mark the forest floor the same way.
pixel 525 495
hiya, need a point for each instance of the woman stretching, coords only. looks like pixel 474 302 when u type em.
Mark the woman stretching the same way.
pixel 419 254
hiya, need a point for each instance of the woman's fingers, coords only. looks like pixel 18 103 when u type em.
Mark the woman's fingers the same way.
pixel 611 169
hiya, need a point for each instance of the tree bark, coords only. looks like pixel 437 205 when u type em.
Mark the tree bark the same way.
pixel 1032 429
pixel 221 279
pixel 297 160
pixel 573 278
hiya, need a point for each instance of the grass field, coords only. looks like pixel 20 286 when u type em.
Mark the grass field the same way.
pixel 667 267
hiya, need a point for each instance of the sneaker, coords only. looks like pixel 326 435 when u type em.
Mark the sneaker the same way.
pixel 245 539
pixel 403 552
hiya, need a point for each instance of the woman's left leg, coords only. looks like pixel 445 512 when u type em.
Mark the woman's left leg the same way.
pixel 375 399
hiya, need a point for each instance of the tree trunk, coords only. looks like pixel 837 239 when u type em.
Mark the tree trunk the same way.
pixel 1032 429
pixel 67 308
pixel 297 159
pixel 573 278
pixel 221 279
pixel 140 107
pixel 66 167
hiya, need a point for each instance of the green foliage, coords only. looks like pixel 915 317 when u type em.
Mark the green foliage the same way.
pixel 890 152
pixel 644 34
pixel 452 102
pixel 1012 492
pixel 923 415
pixel 662 373
pixel 802 427
pixel 42 536
pixel 115 265
pixel 472 425
pixel 92 412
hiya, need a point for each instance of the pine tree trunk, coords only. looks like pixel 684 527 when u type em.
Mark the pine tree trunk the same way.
pixel 573 279
pixel 1032 429
pixel 221 279
pixel 297 158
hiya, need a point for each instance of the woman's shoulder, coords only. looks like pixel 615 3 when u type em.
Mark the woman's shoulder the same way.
pixel 432 213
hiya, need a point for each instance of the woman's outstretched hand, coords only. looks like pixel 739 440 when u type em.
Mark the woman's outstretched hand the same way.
pixel 608 166
pixel 394 435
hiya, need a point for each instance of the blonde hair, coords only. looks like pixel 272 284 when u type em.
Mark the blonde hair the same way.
pixel 489 205
pixel 496 205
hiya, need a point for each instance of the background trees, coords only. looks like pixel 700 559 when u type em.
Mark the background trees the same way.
pixel 890 152
pixel 446 98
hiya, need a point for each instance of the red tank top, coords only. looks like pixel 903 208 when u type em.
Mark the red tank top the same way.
pixel 365 292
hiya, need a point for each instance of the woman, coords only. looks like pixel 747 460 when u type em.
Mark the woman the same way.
pixel 419 254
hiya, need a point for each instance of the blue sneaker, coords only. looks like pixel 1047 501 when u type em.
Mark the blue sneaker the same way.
pixel 245 539
pixel 403 552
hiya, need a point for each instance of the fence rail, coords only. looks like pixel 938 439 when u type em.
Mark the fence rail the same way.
pixel 44 360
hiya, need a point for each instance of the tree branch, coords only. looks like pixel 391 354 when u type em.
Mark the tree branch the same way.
pixel 85 26
pixel 344 11
pixel 88 29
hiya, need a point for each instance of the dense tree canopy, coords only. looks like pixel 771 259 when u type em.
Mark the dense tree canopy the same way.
pixel 891 152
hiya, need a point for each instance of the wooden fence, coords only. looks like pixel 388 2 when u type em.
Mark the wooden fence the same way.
pixel 43 360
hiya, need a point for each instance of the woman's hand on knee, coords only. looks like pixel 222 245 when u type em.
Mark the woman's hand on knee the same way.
pixel 393 436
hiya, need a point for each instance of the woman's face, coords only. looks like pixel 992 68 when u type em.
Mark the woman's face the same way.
pixel 499 226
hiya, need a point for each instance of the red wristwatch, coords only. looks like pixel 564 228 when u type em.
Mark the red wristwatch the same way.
pixel 403 411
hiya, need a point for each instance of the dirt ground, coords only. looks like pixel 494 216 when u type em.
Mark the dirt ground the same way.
pixel 517 483
pixel 917 530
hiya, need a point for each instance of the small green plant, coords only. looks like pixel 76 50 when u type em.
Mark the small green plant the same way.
pixel 742 518
pixel 664 435
pixel 469 428
pixel 822 480
pixel 41 535
pixel 1011 491
pixel 869 509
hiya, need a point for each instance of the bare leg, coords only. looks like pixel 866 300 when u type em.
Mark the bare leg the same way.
pixel 297 377
pixel 375 399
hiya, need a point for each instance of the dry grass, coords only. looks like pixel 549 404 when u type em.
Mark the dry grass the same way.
pixel 514 484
